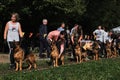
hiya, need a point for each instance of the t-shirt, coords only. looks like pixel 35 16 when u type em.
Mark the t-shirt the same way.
pixel 13 34
pixel 60 29
pixel 76 34
pixel 99 34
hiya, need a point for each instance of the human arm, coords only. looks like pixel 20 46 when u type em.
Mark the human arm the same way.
pixel 81 36
pixel 61 49
pixel 5 31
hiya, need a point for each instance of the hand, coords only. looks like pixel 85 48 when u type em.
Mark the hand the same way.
pixel 72 42
pixel 59 56
pixel 5 41
pixel 21 39
pixel 44 35
pixel 79 41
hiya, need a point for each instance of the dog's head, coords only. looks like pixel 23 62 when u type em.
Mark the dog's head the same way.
pixel 16 46
pixel 88 46
pixel 108 44
pixel 95 45
pixel 118 45
pixel 53 45
pixel 77 46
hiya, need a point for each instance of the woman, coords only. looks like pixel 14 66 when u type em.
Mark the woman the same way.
pixel 12 33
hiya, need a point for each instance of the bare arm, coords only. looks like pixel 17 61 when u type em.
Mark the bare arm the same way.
pixel 5 31
pixel 20 31
pixel 72 39
pixel 80 38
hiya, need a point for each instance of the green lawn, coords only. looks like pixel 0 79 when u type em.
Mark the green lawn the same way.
pixel 105 69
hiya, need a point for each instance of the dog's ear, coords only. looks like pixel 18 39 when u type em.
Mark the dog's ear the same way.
pixel 53 42
pixel 17 43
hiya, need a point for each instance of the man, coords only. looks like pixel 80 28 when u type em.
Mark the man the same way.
pixel 43 35
pixel 59 38
pixel 62 26
pixel 76 36
pixel 99 36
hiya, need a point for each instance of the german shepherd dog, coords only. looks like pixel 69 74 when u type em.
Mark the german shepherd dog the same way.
pixel 55 55
pixel 114 50
pixel 118 48
pixel 19 56
pixel 108 49
pixel 78 53
pixel 95 50
pixel 81 52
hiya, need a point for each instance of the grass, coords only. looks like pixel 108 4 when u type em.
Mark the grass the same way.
pixel 105 69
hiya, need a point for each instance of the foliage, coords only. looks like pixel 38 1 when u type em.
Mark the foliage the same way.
pixel 105 13
pixel 88 13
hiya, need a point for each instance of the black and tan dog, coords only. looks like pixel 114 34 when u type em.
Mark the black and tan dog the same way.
pixel 95 50
pixel 114 50
pixel 108 49
pixel 78 53
pixel 81 51
pixel 19 56
pixel 55 55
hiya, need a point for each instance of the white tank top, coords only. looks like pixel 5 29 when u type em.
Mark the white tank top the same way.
pixel 13 34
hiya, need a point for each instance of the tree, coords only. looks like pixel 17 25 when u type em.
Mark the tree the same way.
pixel 105 13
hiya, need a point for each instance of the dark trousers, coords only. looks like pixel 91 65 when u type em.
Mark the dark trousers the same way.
pixel 44 46
pixel 11 52
pixel 73 50
pixel 102 50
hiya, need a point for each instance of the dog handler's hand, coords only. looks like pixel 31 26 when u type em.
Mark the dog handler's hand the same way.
pixel 59 56
pixel 45 35
pixel 5 41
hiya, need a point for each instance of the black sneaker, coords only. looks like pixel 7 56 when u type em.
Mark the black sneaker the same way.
pixel 12 66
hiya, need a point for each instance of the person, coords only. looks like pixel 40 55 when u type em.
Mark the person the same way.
pixel 61 28
pixel 76 36
pixel 68 37
pixel 53 35
pixel 99 34
pixel 59 38
pixel 43 40
pixel 99 37
pixel 11 34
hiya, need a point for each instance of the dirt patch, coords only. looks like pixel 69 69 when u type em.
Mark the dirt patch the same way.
pixel 4 58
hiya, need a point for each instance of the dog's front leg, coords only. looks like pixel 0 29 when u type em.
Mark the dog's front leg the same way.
pixel 62 59
pixel 54 62
pixel 35 66
pixel 20 65
pixel 97 58
pixel 77 58
pixel 30 66
pixel 80 58
pixel 16 66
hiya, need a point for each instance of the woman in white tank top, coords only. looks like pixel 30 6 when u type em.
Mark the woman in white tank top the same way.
pixel 12 33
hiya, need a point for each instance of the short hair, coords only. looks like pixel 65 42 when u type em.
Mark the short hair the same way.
pixel 16 15
pixel 44 20
pixel 76 25
pixel 62 23
pixel 63 33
